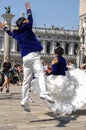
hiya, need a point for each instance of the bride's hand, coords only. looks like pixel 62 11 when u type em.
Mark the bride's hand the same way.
pixel 54 61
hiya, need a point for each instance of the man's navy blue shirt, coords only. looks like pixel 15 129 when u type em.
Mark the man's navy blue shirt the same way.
pixel 25 37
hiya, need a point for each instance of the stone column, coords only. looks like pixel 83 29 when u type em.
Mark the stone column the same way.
pixel 44 46
pixel 3 44
pixel 14 45
pixel 78 58
pixel 71 49
pixel 63 46
pixel 52 47
pixel 82 55
pixel 7 21
pixel 0 43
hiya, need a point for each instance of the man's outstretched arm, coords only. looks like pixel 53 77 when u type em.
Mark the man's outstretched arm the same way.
pixel 2 26
pixel 29 14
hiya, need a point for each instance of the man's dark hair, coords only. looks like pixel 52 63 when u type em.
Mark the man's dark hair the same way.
pixel 19 22
pixel 59 50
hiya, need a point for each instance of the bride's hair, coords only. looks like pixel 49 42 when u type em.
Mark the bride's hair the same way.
pixel 59 50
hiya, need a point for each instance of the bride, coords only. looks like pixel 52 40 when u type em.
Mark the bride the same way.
pixel 66 86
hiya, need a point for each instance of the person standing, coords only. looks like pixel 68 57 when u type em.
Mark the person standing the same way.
pixel 6 67
pixel 30 49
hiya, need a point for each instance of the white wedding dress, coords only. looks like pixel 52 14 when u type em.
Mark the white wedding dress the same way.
pixel 69 92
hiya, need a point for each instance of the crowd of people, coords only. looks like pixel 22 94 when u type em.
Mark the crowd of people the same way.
pixel 10 74
pixel 60 84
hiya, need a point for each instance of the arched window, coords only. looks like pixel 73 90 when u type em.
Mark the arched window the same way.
pixel 66 48
pixel 48 48
pixel 18 48
pixel 57 44
pixel 0 43
pixel 84 59
pixel 75 48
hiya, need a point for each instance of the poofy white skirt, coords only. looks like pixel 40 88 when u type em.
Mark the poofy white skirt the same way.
pixel 69 92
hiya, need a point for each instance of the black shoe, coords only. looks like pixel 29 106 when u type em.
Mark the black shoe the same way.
pixel 7 91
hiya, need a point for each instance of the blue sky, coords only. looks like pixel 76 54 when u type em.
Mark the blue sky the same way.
pixel 60 13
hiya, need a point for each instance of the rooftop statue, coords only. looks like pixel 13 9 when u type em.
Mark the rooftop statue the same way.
pixel 7 10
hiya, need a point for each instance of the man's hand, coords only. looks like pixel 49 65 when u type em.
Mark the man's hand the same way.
pixel 2 25
pixel 27 5
pixel 26 21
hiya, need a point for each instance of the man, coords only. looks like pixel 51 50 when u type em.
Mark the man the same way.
pixel 30 48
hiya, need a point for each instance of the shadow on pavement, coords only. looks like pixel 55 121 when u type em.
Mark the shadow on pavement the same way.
pixel 11 96
pixel 80 112
pixel 62 120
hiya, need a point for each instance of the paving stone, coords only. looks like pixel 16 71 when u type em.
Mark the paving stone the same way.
pixel 13 117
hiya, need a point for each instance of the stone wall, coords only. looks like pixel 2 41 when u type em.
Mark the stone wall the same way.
pixel 82 7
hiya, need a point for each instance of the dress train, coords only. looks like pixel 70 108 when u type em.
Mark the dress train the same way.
pixel 69 92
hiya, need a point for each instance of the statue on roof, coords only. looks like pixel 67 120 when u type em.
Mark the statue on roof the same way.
pixel 8 11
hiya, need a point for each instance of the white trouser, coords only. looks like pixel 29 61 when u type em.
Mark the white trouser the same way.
pixel 32 63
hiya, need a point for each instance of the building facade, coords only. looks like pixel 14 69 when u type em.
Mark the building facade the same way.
pixel 82 30
pixel 73 41
pixel 49 38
